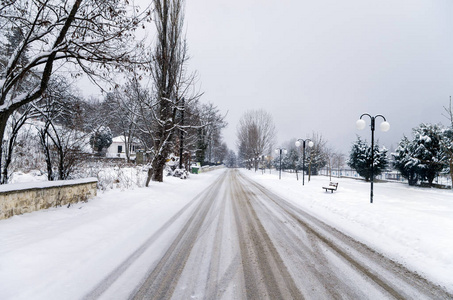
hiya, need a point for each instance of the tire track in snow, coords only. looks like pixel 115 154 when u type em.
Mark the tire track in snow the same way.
pixel 386 275
pixel 109 280
pixel 204 262
pixel 161 282
pixel 214 268
pixel 266 276
pixel 242 241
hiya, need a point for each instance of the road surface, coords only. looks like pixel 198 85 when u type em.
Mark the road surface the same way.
pixel 237 240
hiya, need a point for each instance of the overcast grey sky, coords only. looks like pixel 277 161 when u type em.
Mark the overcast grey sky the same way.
pixel 317 65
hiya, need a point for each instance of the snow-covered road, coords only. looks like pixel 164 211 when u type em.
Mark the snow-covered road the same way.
pixel 234 240
pixel 244 242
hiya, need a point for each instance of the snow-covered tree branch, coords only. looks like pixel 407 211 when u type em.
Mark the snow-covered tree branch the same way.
pixel 95 37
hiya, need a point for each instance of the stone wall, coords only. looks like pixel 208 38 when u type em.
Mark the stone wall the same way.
pixel 16 199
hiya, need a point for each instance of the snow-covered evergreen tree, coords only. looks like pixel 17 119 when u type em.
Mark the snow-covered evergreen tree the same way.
pixel 360 159
pixel 404 162
pixel 290 161
pixel 316 160
pixel 423 157
pixel 101 139
pixel 276 161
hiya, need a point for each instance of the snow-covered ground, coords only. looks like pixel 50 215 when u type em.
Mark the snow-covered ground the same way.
pixel 61 253
pixel 411 225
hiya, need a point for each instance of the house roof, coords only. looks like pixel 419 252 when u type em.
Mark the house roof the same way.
pixel 119 139
pixel 122 139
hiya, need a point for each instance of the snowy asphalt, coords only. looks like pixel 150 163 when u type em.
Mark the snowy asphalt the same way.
pixel 237 240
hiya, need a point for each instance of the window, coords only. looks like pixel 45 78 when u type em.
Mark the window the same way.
pixel 120 149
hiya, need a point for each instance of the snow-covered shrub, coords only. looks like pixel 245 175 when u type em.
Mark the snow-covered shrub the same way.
pixel 115 176
pixel 181 173
pixel 360 159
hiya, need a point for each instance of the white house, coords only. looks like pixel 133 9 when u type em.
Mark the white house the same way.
pixel 118 147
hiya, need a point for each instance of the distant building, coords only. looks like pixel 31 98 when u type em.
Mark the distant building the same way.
pixel 118 147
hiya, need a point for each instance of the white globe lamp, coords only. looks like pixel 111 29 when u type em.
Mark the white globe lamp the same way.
pixel 360 124
pixel 385 126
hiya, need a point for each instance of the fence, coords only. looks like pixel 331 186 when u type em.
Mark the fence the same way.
pixel 391 175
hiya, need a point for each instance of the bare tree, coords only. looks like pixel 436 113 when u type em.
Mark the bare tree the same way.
pixel 317 157
pixel 447 139
pixel 209 123
pixel 255 135
pixel 87 36
pixel 59 130
pixel 171 83
pixel 124 109
pixel 339 161
pixel 17 120
pixel 335 159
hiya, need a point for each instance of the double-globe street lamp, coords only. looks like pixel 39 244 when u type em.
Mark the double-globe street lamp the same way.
pixel 280 150
pixel 310 144
pixel 385 126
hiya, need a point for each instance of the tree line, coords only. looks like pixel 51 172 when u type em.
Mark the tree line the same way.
pixel 46 45
pixel 256 135
pixel 418 159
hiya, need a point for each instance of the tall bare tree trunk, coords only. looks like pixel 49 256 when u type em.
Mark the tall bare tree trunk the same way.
pixel 3 122
pixel 168 60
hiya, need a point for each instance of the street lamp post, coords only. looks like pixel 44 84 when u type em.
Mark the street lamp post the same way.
pixel 280 150
pixel 310 144
pixel 385 126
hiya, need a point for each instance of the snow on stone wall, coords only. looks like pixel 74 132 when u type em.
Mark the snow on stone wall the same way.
pixel 16 199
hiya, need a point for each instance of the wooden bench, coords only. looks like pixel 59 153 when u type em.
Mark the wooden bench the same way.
pixel 332 187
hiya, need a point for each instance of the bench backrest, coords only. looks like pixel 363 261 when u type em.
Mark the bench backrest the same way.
pixel 335 184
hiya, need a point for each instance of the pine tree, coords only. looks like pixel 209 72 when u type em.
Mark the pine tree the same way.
pixel 101 139
pixel 423 157
pixel 360 159
pixel 428 151
pixel 405 163
pixel 290 161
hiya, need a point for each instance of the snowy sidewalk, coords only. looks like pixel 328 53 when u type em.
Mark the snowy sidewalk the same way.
pixel 411 225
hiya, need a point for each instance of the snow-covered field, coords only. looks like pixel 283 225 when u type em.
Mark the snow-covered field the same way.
pixel 61 253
